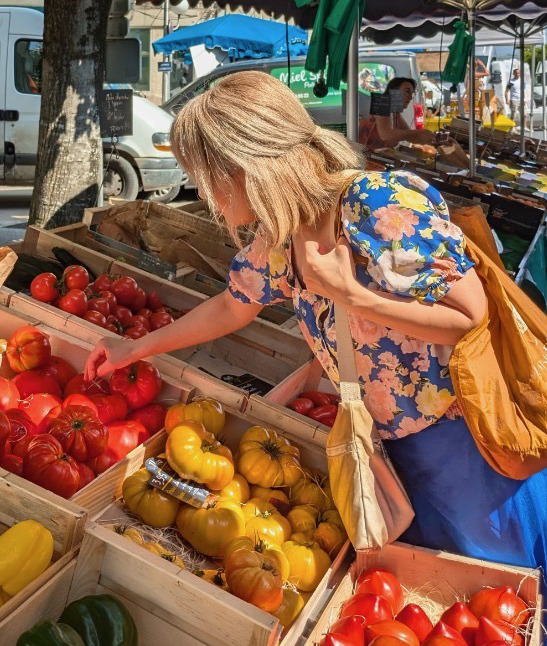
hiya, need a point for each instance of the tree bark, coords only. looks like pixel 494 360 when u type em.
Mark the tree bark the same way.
pixel 69 146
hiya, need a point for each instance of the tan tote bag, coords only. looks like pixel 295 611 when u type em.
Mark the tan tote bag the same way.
pixel 369 496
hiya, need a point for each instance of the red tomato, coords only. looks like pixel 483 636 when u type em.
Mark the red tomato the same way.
pixel 47 465
pixel 110 408
pixel 32 382
pixel 45 424
pixel 415 618
pixel 160 319
pixel 337 639
pixel 383 583
pixel 351 627
pixel 441 633
pixel 78 385
pixel 102 282
pixel 323 414
pixel 59 369
pixel 112 328
pixel 152 417
pixel 81 434
pixel 139 301
pixel 386 640
pixel 44 287
pixel 86 474
pixel 5 430
pixel 491 630
pixel 123 314
pixel 460 618
pixel 95 317
pixel 124 437
pixel 9 395
pixel 12 463
pixel 76 277
pixel 392 628
pixel 500 604
pixel 145 312
pixel 139 321
pixel 319 399
pixel 110 299
pixel 21 427
pixel 125 291
pixel 372 606
pixel 112 320
pixel 99 305
pixel 135 332
pixel 301 405
pixel 80 400
pixel 38 406
pixel 103 462
pixel 27 349
pixel 153 301
pixel 88 292
pixel 74 302
pixel 140 383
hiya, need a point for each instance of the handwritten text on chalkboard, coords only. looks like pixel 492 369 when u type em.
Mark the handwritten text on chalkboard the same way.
pixel 116 112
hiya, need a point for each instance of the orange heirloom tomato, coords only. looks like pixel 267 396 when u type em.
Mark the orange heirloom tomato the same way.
pixel 274 496
pixel 303 518
pixel 195 455
pixel 262 520
pixel 237 489
pixel 253 578
pixel 272 551
pixel 331 537
pixel 267 459
pixel 308 563
pixel 310 490
pixel 153 506
pixel 216 577
pixel 202 409
pixel 290 607
pixel 210 529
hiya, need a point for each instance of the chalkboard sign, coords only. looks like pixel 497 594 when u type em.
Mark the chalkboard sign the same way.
pixel 116 112
pixel 396 100
pixel 380 104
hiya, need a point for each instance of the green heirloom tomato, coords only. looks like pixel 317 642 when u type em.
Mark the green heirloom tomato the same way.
pixel 49 633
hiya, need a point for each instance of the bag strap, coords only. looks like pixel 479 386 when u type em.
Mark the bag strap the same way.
pixel 350 390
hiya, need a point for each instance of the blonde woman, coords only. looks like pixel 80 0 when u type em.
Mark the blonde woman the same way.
pixel 257 157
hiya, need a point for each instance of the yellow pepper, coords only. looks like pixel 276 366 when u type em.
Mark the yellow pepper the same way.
pixel 25 552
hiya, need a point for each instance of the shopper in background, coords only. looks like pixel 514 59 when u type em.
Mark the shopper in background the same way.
pixel 258 158
pixel 512 97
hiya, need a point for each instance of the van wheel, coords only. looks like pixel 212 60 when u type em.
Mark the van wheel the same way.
pixel 121 180
pixel 163 195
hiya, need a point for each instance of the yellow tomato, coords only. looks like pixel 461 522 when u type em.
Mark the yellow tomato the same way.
pixel 310 490
pixel 205 410
pixel 272 552
pixel 237 489
pixel 216 577
pixel 153 506
pixel 195 455
pixel 303 518
pixel 330 537
pixel 308 563
pixel 210 529
pixel 130 533
pixel 262 520
pixel 267 459
pixel 253 578
pixel 276 497
pixel 290 607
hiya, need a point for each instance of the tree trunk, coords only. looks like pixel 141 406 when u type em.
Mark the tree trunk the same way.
pixel 69 144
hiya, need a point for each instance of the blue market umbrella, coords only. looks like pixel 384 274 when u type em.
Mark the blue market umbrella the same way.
pixel 241 36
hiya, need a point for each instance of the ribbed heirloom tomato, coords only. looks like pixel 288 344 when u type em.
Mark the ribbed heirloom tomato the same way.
pixel 254 578
pixel 308 563
pixel 80 433
pixel 9 395
pixel 59 369
pixel 47 465
pixel 152 417
pixel 262 520
pixel 140 383
pixel 31 382
pixel 39 405
pixel 202 409
pixel 110 408
pixel 78 385
pixel 123 437
pixel 153 506
pixel 270 551
pixel 27 349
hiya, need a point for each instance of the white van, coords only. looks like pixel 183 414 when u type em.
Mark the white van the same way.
pixel 145 165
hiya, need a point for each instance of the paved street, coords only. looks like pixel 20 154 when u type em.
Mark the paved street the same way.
pixel 15 207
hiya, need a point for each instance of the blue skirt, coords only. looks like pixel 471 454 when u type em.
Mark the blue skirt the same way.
pixel 463 506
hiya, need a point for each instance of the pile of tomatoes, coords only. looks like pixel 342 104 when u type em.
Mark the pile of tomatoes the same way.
pixel 376 615
pixel 59 431
pixel 321 407
pixel 274 526
pixel 116 303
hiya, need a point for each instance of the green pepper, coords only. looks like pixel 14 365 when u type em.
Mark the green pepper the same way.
pixel 49 633
pixel 101 620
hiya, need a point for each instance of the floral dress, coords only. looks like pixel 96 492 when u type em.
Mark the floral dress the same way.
pixel 399 225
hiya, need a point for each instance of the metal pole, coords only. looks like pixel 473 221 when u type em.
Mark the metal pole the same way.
pixel 352 96
pixel 472 131
pixel 522 89
pixel 543 84
pixel 166 79
pixel 533 76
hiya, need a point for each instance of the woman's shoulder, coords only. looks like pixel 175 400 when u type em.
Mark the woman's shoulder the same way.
pixel 365 183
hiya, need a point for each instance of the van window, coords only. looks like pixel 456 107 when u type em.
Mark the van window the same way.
pixel 28 66
pixel 373 77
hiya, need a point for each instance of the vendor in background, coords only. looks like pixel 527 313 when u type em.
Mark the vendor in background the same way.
pixel 386 132
pixel 512 96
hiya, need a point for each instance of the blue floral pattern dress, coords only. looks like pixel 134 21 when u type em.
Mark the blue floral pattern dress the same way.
pixel 400 227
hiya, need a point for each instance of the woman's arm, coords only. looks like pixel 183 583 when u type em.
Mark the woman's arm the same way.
pixel 210 320
pixel 332 275
pixel 391 135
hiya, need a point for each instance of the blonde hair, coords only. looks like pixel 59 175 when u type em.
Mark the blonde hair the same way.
pixel 294 170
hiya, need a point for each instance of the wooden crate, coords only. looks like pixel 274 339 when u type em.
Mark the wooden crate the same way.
pixel 438 576
pixel 65 520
